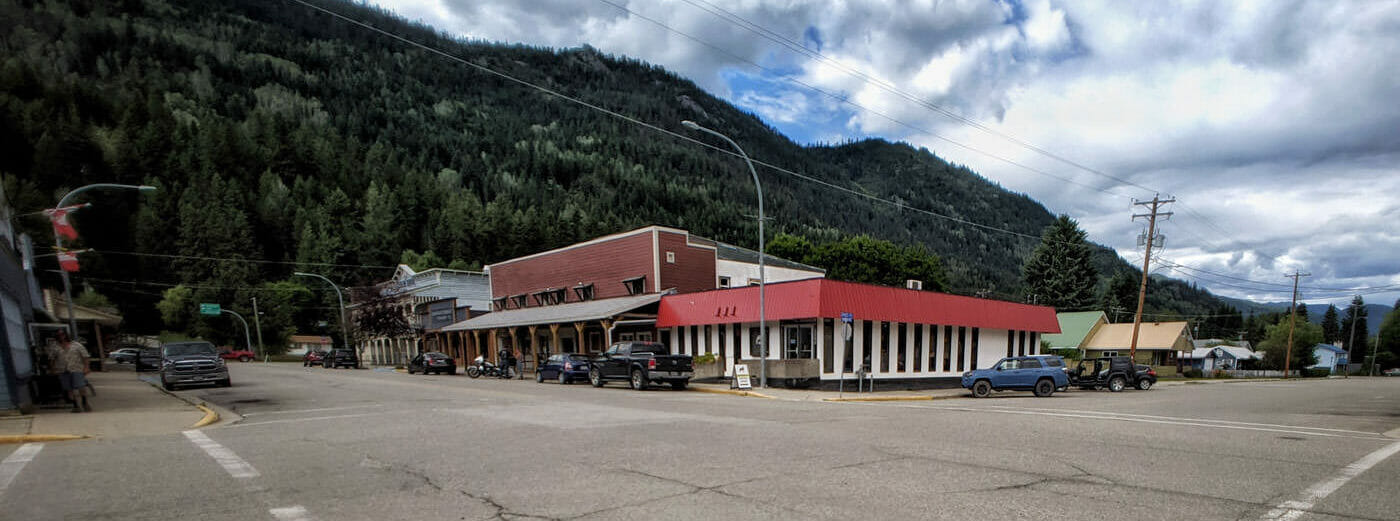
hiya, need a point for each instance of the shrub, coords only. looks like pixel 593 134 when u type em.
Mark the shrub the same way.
pixel 1221 374
pixel 1316 373
pixel 1193 373
pixel 707 358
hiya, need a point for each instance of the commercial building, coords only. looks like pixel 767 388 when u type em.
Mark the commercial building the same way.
pixel 1158 342
pixel 429 300
pixel 825 330
pixel 582 297
pixel 18 300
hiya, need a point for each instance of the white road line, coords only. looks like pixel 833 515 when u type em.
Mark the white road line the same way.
pixel 16 462
pixel 291 513
pixel 299 420
pixel 1295 508
pixel 322 409
pixel 235 465
pixel 1107 413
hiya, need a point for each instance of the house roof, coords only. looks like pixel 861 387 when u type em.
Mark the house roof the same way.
pixel 1074 328
pixel 1212 342
pixel 556 314
pixel 824 298
pixel 1330 347
pixel 58 308
pixel 1224 351
pixel 309 339
pixel 1151 335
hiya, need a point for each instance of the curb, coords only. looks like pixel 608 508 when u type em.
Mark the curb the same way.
pixel 731 392
pixel 31 438
pixel 209 417
pixel 893 399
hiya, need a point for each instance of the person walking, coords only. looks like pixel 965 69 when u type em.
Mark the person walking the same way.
pixel 69 359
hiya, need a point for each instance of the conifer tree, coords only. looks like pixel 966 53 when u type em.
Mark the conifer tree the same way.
pixel 1060 272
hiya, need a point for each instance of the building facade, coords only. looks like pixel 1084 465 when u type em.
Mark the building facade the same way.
pixel 1159 343
pixel 430 300
pixel 826 330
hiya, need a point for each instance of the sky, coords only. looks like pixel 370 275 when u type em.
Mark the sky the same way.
pixel 1274 124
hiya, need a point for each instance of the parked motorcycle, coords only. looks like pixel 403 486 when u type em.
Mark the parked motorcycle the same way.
pixel 480 367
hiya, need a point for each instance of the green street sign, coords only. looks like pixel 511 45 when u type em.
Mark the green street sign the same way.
pixel 209 309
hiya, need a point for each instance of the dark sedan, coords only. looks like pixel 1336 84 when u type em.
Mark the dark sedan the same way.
pixel 432 362
pixel 148 359
pixel 565 368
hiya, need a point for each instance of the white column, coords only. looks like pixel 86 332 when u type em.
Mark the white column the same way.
pixel 819 343
pixel 875 347
pixel 909 347
pixel 775 336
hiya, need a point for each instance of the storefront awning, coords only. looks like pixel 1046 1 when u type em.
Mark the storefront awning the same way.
pixel 557 314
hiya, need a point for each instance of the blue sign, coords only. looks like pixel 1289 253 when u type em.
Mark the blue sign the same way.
pixel 847 317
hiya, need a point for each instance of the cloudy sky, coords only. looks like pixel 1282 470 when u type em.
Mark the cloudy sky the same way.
pixel 1275 124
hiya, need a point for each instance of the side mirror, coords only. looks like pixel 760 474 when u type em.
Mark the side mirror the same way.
pixel 998 368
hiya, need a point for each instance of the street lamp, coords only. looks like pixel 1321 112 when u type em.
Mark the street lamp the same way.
pixel 247 337
pixel 762 279
pixel 344 331
pixel 58 241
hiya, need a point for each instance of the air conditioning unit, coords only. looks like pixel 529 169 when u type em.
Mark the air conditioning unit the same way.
pixel 914 284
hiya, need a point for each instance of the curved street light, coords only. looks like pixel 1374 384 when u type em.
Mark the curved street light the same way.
pixel 58 241
pixel 762 279
pixel 344 331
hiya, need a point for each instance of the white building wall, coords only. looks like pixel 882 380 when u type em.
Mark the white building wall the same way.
pixel 739 273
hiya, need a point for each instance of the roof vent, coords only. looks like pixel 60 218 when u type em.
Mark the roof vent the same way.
pixel 914 284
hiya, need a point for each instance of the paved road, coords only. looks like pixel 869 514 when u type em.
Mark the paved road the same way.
pixel 341 444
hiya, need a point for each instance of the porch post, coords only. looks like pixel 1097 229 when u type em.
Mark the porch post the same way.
pixel 607 333
pixel 580 342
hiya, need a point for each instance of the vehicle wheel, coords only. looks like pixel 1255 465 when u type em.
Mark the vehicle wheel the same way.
pixel 981 389
pixel 539 377
pixel 410 369
pixel 1117 384
pixel 639 383
pixel 1044 388
pixel 679 385
pixel 595 378
pixel 473 372
pixel 563 380
pixel 244 358
pixel 1144 384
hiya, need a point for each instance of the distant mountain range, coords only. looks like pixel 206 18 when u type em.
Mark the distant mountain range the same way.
pixel 1375 313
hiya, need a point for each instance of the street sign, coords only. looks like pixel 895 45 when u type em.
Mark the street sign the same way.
pixel 847 317
pixel 206 308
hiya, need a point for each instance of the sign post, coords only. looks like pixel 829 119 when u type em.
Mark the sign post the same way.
pixel 206 308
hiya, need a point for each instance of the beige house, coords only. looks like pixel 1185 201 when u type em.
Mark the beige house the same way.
pixel 1158 342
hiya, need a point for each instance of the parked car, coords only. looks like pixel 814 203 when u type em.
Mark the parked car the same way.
pixel 1042 374
pixel 148 359
pixel 1394 371
pixel 1113 372
pixel 313 357
pixel 341 358
pixel 565 368
pixel 125 355
pixel 432 362
pixel 242 355
pixel 641 364
pixel 186 363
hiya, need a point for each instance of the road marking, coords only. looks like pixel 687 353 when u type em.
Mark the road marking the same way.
pixel 16 462
pixel 291 513
pixel 322 409
pixel 1295 508
pixel 235 465
pixel 299 420
pixel 1107 413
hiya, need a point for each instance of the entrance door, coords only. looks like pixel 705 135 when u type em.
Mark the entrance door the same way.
pixel 797 342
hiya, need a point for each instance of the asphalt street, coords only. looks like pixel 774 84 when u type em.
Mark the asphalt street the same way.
pixel 345 444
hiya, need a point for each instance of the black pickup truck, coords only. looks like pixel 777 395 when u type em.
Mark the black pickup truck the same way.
pixel 641 364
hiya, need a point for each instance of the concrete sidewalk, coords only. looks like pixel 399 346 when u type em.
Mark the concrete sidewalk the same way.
pixel 124 406
pixel 780 393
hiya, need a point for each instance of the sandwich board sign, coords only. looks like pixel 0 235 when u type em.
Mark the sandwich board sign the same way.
pixel 741 377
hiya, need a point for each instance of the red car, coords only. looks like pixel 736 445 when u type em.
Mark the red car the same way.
pixel 313 357
pixel 242 355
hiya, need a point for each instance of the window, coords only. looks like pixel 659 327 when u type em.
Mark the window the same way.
pixel 903 348
pixel 753 343
pixel 918 347
pixel 644 336
pixel 848 351
pixel 722 334
pixel 867 345
pixel 595 341
pixel 626 337
pixel 519 301
pixel 738 342
pixel 828 346
pixel 635 285
pixel 1021 349
pixel 1035 343
pixel 975 334
pixel 584 292
pixel 962 349
pixel 797 342
pixel 884 347
pixel 723 282
pixel 947 348
pixel 670 257
pixel 1010 343
pixel 708 348
pixel 1054 362
pixel 498 304
pixel 680 339
pixel 695 340
pixel 1031 363
pixel 1010 363
pixel 1109 353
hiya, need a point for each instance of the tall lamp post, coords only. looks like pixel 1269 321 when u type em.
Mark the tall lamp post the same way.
pixel 247 337
pixel 344 331
pixel 58 241
pixel 762 278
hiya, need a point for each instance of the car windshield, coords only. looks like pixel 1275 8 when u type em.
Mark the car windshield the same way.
pixel 197 348
pixel 578 358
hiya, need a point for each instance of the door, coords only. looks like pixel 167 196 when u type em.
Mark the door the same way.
pixel 416 363
pixel 797 342
pixel 1029 371
pixel 618 357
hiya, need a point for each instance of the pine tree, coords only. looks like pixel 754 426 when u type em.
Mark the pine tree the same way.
pixel 1119 299
pixel 1356 312
pixel 1302 312
pixel 1331 328
pixel 1060 272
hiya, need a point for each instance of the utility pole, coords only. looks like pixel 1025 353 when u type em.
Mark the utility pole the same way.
pixel 258 326
pixel 1351 339
pixel 1292 312
pixel 1154 206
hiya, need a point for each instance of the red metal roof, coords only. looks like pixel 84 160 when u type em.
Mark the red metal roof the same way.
pixel 823 298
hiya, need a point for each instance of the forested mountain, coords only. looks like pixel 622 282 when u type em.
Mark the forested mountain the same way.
pixel 282 138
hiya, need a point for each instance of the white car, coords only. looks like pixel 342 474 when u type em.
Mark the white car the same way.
pixel 125 355
pixel 1394 371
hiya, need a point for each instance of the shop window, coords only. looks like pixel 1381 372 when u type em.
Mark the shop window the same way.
pixel 1010 343
pixel 867 344
pixel 976 333
pixel 1021 349
pixel 933 348
pixel 708 348
pixel 635 285
pixel 723 335
pixel 1035 343
pixel 738 342
pixel 680 339
pixel 884 347
pixel 754 351
pixel 947 348
pixel 962 349
pixel 903 346
pixel 828 346
pixel 918 347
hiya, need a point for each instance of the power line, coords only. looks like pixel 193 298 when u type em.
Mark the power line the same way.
pixel 254 261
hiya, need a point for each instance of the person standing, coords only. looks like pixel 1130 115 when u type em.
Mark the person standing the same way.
pixel 69 359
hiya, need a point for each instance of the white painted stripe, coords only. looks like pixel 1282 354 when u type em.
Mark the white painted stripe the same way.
pixel 1184 419
pixel 322 409
pixel 16 462
pixel 1295 508
pixel 300 420
pixel 235 465
pixel 291 513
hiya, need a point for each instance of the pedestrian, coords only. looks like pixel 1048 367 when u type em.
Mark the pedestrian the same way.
pixel 69 359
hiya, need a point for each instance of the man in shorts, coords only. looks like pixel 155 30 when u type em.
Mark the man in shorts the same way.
pixel 69 359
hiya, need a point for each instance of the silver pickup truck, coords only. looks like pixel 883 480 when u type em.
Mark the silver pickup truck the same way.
pixel 191 363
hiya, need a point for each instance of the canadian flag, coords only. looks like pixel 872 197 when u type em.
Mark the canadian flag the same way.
pixel 61 226
pixel 68 260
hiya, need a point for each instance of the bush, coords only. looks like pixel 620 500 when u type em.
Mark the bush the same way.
pixel 707 358
pixel 1316 373
pixel 1221 375
pixel 1193 373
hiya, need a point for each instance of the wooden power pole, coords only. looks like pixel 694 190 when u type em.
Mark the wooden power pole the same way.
pixel 1153 206
pixel 1292 312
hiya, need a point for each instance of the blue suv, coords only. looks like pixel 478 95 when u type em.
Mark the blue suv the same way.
pixel 1043 374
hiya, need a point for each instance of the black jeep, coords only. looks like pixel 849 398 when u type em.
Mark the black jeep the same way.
pixel 1113 372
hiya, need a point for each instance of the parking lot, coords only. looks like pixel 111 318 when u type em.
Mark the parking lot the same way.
pixel 316 443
